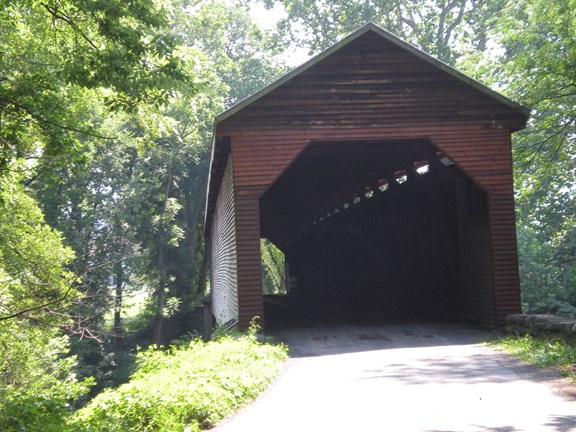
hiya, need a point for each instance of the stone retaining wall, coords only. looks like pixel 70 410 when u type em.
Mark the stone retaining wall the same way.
pixel 540 325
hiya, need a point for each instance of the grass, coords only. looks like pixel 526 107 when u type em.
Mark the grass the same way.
pixel 186 388
pixel 542 351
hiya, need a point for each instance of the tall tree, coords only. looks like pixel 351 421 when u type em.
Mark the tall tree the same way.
pixel 134 211
pixel 444 28
pixel 539 41
pixel 59 59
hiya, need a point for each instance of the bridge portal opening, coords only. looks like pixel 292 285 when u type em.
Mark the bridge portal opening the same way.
pixel 377 231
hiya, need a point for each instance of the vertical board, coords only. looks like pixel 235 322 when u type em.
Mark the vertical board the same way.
pixel 250 299
pixel 505 257
pixel 477 295
pixel 223 274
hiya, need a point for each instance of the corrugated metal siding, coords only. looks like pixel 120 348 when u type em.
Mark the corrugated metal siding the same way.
pixel 223 275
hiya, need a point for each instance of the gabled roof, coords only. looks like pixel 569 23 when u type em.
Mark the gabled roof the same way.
pixel 266 104
pixel 371 27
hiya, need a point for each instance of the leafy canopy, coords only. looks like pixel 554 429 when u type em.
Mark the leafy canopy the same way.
pixel 52 52
pixel 539 39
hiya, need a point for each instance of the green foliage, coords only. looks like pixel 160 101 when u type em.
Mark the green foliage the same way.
pixel 548 276
pixel 106 366
pixel 70 73
pixel 542 351
pixel 273 268
pixel 187 387
pixel 241 53
pixel 37 378
pixel 33 260
pixel 133 212
pixel 106 112
pixel 539 63
pixel 443 28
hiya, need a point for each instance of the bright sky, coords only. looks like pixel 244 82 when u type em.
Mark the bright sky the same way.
pixel 267 19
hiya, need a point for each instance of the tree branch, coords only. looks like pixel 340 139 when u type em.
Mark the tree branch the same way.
pixel 34 308
pixel 71 23
pixel 51 123
pixel 542 143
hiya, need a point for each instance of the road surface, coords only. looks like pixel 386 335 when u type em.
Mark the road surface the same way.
pixel 433 378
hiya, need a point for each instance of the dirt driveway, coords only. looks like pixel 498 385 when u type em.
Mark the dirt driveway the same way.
pixel 405 378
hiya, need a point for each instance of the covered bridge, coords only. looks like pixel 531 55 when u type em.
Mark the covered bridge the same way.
pixel 385 177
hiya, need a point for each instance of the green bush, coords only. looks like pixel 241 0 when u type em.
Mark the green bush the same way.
pixel 21 412
pixel 185 388
pixel 37 379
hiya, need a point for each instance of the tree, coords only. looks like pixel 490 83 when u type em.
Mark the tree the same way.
pixel 539 57
pixel 133 212
pixel 242 54
pixel 57 55
pixel 443 28
pixel 229 50
pixel 55 51
pixel 36 380
pixel 34 282
pixel 65 66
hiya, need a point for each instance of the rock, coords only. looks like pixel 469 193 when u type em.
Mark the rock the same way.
pixel 539 324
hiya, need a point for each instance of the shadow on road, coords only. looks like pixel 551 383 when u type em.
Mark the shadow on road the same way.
pixel 485 364
pixel 331 339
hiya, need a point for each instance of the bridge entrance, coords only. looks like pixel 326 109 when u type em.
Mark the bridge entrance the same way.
pixel 375 231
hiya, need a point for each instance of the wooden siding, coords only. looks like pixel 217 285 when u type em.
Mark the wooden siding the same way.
pixel 261 156
pixel 477 294
pixel 372 89
pixel 372 82
pixel 250 300
pixel 223 251
pixel 504 256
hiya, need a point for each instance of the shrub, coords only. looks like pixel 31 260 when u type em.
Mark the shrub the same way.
pixel 185 388
pixel 37 379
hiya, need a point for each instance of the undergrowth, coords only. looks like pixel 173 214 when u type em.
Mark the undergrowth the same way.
pixel 542 351
pixel 186 388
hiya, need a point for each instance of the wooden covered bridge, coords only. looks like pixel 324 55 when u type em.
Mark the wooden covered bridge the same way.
pixel 385 177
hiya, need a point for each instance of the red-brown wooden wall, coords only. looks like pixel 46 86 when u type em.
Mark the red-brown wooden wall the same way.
pixel 372 86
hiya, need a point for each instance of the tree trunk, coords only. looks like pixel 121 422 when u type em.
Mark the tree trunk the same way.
pixel 162 271
pixel 192 212
pixel 204 272
pixel 161 293
pixel 118 330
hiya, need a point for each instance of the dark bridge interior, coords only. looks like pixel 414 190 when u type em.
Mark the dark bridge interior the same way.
pixel 376 231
